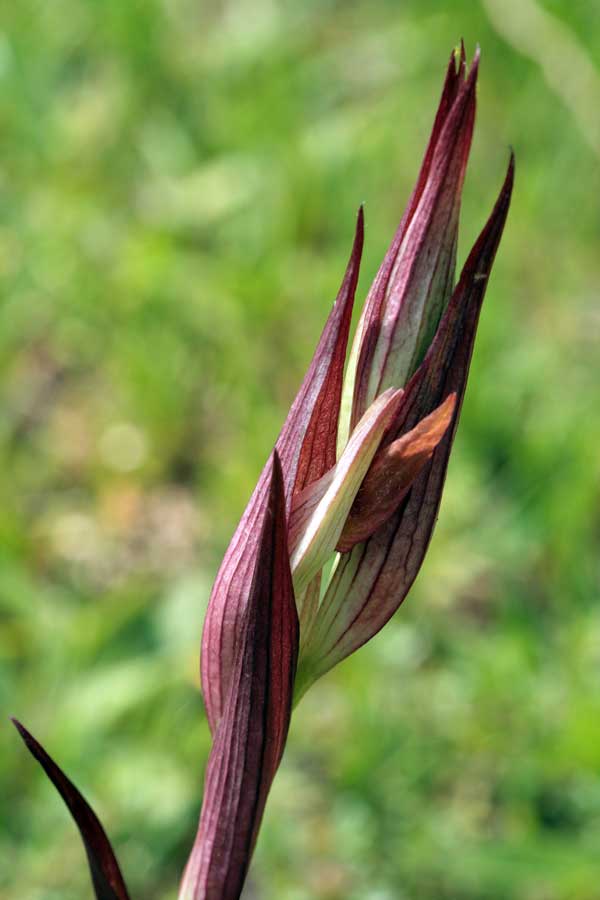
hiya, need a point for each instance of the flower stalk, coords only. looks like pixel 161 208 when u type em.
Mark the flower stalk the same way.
pixel 356 475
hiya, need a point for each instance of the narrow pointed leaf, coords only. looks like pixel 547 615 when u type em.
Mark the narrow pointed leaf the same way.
pixel 371 582
pixel 391 475
pixel 104 868
pixel 307 448
pixel 414 283
pixel 251 734
pixel 323 525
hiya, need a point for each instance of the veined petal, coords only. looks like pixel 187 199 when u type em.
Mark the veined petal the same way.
pixel 307 443
pixel 414 283
pixel 454 79
pixel 307 448
pixel 391 475
pixel 371 581
pixel 455 76
pixel 251 734
pixel 104 868
pixel 320 524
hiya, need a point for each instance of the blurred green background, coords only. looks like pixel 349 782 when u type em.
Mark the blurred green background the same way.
pixel 178 186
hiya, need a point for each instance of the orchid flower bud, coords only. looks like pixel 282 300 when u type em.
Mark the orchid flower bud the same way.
pixel 356 476
pixel 362 471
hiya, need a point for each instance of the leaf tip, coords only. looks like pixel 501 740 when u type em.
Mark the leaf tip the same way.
pixel 25 735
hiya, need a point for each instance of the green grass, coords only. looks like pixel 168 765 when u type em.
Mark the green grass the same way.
pixel 178 186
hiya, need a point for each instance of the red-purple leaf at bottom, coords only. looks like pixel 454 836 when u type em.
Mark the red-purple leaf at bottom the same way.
pixel 106 875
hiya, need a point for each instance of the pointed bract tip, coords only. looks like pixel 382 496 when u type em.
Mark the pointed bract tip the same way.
pixel 511 166
pixel 458 60
pixel 359 235
pixel 360 219
pixel 507 187
pixel 473 70
pixel 277 483
pixel 27 737
pixel 452 71
pixel 275 460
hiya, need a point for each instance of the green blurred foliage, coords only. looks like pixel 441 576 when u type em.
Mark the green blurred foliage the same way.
pixel 178 185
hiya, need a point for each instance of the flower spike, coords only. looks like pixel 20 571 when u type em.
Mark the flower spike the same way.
pixel 369 583
pixel 356 477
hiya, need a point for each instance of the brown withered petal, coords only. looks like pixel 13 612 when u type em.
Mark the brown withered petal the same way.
pixel 391 475
pixel 251 734
pixel 371 581
pixel 414 282
pixel 104 868
pixel 307 448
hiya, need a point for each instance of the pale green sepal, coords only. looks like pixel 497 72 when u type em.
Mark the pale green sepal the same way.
pixel 321 532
